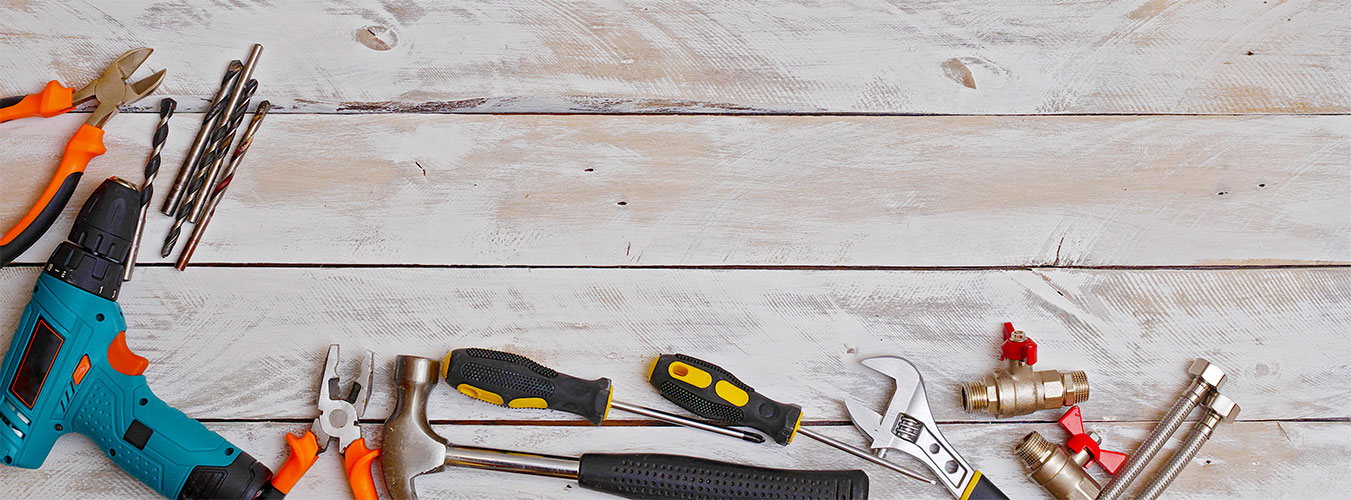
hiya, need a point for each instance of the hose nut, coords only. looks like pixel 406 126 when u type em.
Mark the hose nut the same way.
pixel 1019 389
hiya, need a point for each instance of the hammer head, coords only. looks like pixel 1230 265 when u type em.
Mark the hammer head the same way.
pixel 410 448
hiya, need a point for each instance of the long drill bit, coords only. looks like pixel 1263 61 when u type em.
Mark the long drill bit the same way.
pixel 214 154
pixel 227 176
pixel 190 163
pixel 166 110
pixel 213 169
pixel 221 149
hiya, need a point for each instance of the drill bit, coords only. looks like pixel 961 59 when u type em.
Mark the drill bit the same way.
pixel 218 192
pixel 190 163
pixel 234 114
pixel 166 110
pixel 198 186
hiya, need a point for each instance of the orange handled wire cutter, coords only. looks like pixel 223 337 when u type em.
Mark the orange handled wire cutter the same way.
pixel 339 415
pixel 111 90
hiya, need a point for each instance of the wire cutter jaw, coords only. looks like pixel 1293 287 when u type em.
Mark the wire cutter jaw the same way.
pixel 112 88
pixel 340 412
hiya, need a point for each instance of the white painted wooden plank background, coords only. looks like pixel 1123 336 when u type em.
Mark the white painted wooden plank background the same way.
pixel 1153 56
pixel 407 231
pixel 750 191
pixel 796 335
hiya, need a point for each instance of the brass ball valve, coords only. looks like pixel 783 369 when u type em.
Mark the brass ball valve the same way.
pixel 1061 469
pixel 1020 390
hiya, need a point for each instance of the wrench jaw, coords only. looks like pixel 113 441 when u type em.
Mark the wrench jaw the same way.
pixel 908 425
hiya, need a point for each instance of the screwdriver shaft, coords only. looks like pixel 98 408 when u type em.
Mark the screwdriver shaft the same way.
pixel 687 422
pixel 860 453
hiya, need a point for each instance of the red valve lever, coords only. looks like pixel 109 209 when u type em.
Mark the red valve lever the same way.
pixel 1023 350
pixel 1073 422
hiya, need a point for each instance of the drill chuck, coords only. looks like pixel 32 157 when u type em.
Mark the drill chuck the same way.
pixel 95 256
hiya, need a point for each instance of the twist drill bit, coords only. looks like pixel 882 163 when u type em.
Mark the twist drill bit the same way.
pixel 197 187
pixel 166 110
pixel 213 168
pixel 222 150
pixel 227 84
pixel 227 176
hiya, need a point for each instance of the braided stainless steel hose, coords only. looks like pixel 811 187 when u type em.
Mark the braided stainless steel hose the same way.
pixel 166 110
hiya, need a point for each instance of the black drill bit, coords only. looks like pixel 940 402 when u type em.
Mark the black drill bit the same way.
pixel 166 110
pixel 190 162
pixel 223 133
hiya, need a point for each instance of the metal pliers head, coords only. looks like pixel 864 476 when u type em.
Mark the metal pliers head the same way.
pixel 112 88
pixel 339 410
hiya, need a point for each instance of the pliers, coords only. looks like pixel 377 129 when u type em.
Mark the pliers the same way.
pixel 111 90
pixel 339 415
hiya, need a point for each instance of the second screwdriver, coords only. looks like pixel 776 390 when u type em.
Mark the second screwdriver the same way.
pixel 711 392
pixel 515 381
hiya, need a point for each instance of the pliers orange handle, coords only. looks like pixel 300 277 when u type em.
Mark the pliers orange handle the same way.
pixel 111 90
pixel 357 460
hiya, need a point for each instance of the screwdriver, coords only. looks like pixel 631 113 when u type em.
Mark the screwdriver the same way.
pixel 709 391
pixel 515 381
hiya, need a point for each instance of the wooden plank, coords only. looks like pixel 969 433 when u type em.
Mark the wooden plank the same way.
pixel 1247 459
pixel 794 335
pixel 748 191
pixel 729 57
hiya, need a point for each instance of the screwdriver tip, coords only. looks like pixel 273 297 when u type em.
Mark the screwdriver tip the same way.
pixel 752 437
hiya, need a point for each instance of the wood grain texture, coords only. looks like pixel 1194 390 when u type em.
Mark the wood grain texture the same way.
pixel 1140 56
pixel 1243 460
pixel 747 191
pixel 794 335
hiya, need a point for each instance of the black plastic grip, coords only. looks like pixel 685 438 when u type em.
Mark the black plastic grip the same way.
pixel 985 490
pixel 709 391
pixel 6 102
pixel 512 380
pixel 653 476
pixel 35 229
pixel 244 478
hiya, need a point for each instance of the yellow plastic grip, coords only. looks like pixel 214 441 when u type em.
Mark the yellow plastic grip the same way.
pixel 690 375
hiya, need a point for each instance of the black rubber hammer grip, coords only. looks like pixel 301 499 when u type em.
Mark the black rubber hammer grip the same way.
pixel 515 381
pixel 655 476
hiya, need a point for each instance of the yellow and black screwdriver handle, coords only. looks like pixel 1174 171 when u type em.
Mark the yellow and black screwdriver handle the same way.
pixel 515 381
pixel 709 391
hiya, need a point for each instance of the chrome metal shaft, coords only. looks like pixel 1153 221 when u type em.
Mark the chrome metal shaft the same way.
pixel 687 422
pixel 864 454
pixel 512 461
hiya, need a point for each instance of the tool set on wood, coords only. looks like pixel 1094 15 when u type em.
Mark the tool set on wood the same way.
pixel 69 369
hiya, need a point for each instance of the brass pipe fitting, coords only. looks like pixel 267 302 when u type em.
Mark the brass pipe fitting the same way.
pixel 1054 468
pixel 1019 389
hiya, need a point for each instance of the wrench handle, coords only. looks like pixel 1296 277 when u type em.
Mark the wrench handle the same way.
pixel 982 489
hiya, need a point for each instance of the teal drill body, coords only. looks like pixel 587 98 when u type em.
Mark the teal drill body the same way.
pixel 68 369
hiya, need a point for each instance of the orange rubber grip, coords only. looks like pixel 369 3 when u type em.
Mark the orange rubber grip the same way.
pixel 357 461
pixel 51 101
pixel 304 451
pixel 83 147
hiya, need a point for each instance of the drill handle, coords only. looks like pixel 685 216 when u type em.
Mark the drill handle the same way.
pixel 158 444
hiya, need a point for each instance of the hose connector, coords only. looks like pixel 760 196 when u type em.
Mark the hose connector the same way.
pixel 1018 389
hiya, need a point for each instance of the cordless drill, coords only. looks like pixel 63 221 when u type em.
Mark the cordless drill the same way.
pixel 68 369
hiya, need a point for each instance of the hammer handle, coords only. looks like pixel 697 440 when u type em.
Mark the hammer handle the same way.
pixel 656 476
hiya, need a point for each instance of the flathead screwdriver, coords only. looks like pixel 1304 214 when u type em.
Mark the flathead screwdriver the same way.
pixel 515 381
pixel 711 392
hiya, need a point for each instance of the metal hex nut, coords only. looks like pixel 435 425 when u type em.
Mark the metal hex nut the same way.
pixel 1210 374
pixel 1226 408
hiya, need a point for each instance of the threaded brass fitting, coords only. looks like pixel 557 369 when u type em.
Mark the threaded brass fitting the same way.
pixel 1051 466
pixel 1019 390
